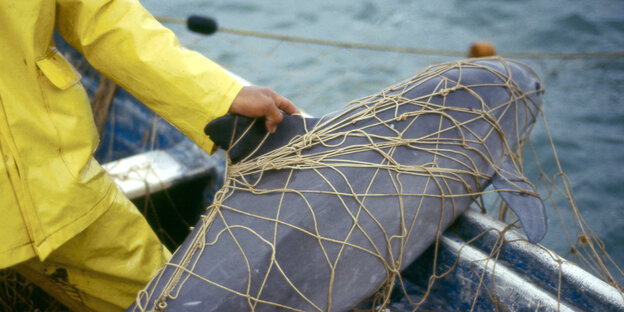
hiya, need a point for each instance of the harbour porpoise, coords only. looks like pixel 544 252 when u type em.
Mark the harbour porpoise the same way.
pixel 325 211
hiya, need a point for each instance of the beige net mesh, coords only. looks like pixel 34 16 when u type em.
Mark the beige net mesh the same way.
pixel 456 189
pixel 369 189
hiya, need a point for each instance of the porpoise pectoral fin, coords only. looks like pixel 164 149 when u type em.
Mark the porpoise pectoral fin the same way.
pixel 519 196
pixel 228 129
pixel 245 134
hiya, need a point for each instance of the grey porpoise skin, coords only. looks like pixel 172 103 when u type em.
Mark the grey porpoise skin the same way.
pixel 230 264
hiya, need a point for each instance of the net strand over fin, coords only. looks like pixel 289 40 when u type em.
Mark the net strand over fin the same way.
pixel 334 216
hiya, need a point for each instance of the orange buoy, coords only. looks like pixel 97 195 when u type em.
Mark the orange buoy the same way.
pixel 481 49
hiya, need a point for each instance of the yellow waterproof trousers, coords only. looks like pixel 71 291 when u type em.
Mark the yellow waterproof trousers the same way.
pixel 103 267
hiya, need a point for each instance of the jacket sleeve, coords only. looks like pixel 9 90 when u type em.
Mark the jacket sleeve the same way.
pixel 124 42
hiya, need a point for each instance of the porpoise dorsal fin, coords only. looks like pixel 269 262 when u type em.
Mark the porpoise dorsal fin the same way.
pixel 245 134
pixel 521 197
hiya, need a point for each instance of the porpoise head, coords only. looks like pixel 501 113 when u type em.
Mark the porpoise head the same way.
pixel 523 81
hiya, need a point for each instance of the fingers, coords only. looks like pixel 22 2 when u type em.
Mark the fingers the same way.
pixel 273 116
pixel 285 105
pixel 253 101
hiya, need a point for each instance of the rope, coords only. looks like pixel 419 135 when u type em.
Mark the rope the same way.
pixel 454 176
pixel 406 50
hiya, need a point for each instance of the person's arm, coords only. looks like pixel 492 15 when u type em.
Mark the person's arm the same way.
pixel 124 42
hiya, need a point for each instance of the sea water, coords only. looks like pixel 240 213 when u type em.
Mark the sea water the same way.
pixel 584 107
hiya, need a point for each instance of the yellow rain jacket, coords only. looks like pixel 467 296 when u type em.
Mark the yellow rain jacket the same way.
pixel 51 188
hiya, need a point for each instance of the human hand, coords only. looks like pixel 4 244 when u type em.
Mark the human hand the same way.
pixel 254 101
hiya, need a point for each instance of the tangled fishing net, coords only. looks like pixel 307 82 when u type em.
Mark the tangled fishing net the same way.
pixel 410 183
pixel 459 163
